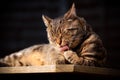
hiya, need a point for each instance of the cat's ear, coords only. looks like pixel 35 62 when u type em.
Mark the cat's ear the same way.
pixel 46 20
pixel 71 12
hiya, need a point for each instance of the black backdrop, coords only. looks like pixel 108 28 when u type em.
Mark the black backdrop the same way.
pixel 22 26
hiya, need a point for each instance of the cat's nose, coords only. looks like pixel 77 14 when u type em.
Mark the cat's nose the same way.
pixel 58 41
pixel 63 43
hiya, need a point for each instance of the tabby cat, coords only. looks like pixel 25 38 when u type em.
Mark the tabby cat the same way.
pixel 72 41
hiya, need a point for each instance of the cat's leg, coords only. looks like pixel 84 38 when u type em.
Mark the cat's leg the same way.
pixel 3 64
pixel 10 60
pixel 73 58
pixel 58 59
pixel 32 59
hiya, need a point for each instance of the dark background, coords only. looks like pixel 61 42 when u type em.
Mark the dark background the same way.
pixel 22 26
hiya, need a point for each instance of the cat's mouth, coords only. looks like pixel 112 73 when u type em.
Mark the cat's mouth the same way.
pixel 64 48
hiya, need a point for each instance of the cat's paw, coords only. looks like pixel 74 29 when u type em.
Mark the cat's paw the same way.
pixel 71 57
pixel 60 60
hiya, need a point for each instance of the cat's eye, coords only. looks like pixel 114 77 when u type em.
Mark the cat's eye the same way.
pixel 72 28
pixel 69 20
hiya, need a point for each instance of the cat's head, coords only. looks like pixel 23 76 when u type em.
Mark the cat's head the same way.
pixel 65 32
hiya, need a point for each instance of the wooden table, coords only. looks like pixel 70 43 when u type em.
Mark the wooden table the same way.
pixel 56 72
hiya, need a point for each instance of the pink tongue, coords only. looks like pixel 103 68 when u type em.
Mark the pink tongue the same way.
pixel 64 48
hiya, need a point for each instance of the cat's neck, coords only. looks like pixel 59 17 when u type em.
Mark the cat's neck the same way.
pixel 82 40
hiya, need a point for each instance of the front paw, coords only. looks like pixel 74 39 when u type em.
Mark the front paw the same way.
pixel 71 57
pixel 60 60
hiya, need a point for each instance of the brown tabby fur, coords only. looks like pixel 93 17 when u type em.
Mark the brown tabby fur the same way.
pixel 84 45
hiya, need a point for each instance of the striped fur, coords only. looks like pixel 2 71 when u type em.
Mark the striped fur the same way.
pixel 72 41
pixel 43 54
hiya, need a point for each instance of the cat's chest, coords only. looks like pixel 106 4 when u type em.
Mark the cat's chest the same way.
pixel 78 50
